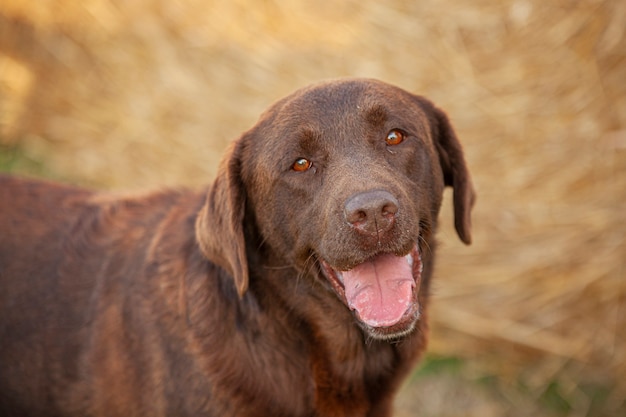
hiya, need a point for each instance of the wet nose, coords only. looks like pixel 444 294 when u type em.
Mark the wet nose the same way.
pixel 371 212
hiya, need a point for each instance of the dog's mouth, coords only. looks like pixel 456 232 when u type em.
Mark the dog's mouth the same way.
pixel 382 292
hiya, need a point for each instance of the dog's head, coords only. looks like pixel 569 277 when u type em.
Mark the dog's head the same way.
pixel 343 179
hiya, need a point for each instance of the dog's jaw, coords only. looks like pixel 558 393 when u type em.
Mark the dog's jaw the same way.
pixel 383 313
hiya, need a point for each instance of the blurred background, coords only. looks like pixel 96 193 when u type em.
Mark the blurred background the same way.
pixel 528 321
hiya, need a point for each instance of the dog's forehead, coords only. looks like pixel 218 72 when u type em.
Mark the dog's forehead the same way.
pixel 345 106
pixel 346 98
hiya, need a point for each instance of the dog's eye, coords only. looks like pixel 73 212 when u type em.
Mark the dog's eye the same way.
pixel 301 165
pixel 395 137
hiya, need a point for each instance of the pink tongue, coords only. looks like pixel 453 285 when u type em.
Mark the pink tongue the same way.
pixel 380 290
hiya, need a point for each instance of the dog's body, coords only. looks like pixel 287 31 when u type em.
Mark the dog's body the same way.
pixel 296 285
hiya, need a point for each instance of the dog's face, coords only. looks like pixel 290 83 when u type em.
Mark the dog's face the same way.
pixel 345 179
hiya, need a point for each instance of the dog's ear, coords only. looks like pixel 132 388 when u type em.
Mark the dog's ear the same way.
pixel 219 226
pixel 455 172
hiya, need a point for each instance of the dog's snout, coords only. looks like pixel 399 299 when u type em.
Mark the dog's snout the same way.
pixel 371 212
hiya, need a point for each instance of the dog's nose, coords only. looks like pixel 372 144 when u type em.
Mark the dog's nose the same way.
pixel 371 212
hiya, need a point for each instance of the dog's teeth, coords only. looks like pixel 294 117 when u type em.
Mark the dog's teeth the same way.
pixel 339 276
pixel 409 259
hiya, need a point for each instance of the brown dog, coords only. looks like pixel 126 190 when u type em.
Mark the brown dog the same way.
pixel 296 285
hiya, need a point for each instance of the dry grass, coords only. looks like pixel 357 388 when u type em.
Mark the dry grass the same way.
pixel 149 92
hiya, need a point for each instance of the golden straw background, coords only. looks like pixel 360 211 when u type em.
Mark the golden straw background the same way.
pixel 530 319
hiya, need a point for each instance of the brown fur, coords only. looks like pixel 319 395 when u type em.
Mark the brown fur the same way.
pixel 182 303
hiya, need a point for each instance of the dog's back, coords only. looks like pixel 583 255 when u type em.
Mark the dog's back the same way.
pixel 35 220
pixel 65 258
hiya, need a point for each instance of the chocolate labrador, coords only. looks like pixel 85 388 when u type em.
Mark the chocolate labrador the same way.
pixel 295 285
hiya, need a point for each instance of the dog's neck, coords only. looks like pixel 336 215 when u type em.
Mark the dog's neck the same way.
pixel 269 320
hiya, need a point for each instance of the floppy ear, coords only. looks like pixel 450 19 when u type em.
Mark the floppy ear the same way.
pixel 219 225
pixel 455 174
